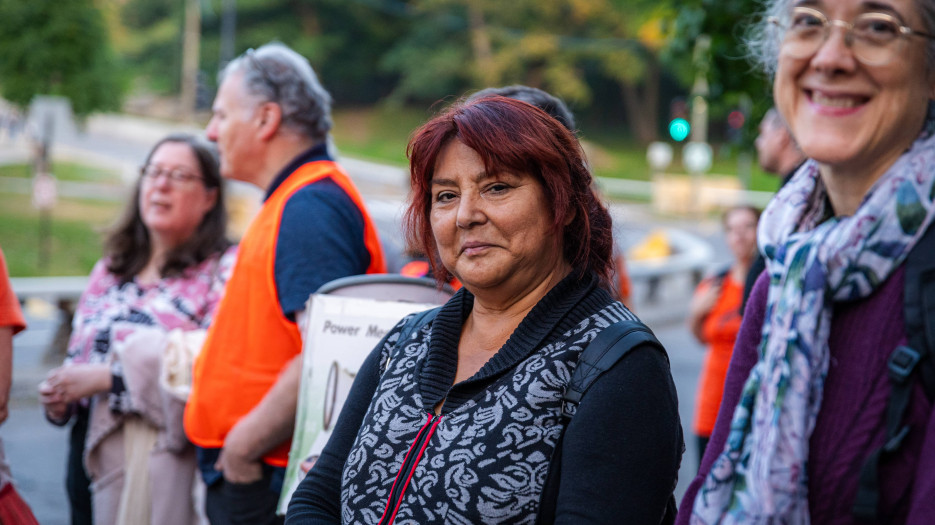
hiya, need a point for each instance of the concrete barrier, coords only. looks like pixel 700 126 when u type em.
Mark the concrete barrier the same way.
pixel 52 289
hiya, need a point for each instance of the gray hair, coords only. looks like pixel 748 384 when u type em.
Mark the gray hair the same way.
pixel 535 96
pixel 763 38
pixel 276 73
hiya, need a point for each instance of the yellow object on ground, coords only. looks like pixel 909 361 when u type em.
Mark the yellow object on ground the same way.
pixel 654 246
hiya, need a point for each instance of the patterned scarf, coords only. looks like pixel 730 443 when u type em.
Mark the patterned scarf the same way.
pixel 813 261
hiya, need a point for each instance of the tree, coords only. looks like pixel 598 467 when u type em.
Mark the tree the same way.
pixel 57 47
pixel 731 76
pixel 343 39
pixel 456 45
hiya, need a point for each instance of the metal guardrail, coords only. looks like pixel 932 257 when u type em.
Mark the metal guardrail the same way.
pixel 691 254
pixel 53 289
pixel 643 189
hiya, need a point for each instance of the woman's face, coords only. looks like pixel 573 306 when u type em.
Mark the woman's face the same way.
pixel 172 209
pixel 740 231
pixel 493 230
pixel 845 114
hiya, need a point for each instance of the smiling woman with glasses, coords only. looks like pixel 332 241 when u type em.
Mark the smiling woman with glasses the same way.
pixel 164 268
pixel 825 418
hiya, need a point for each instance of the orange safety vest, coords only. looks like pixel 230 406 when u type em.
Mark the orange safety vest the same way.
pixel 420 268
pixel 251 341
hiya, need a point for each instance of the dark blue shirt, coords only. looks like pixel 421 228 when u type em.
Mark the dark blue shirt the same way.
pixel 321 236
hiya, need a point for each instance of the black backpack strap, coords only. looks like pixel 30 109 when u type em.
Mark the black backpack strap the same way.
pixel 418 320
pixel 919 307
pixel 608 347
pixel 905 364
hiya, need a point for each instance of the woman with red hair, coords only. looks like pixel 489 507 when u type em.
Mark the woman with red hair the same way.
pixel 460 419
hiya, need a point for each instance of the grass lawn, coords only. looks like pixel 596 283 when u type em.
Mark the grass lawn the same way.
pixel 69 171
pixel 381 134
pixel 76 228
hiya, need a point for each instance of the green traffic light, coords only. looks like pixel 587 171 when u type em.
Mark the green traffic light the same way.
pixel 679 129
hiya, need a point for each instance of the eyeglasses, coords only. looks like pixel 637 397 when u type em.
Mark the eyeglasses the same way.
pixel 264 73
pixel 875 38
pixel 175 175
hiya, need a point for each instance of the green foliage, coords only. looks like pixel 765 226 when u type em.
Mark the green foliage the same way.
pixel 59 47
pixel 619 62
pixel 429 76
pixel 731 76
pixel 344 41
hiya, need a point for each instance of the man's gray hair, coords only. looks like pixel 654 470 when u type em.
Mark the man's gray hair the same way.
pixel 763 39
pixel 276 73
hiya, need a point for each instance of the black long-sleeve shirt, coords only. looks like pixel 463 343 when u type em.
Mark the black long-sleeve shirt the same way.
pixel 620 453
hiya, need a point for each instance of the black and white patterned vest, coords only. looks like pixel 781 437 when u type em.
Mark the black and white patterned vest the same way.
pixel 485 461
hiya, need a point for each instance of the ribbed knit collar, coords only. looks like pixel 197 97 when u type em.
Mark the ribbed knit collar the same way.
pixel 564 306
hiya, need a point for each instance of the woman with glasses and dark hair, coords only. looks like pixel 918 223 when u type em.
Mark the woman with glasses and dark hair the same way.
pixel 164 269
pixel 461 420
pixel 824 419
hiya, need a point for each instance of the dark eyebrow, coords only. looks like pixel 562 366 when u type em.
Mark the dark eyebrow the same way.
pixel 442 182
pixel 479 176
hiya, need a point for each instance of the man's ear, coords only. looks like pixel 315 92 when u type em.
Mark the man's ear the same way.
pixel 269 118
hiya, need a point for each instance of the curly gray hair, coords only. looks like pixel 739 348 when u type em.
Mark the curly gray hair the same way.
pixel 276 73
pixel 763 39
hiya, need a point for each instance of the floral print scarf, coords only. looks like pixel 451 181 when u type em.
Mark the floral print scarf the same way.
pixel 813 262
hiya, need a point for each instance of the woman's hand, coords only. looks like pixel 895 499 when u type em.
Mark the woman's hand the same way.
pixel 67 384
pixel 701 305
pixel 55 409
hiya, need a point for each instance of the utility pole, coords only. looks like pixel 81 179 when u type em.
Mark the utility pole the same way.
pixel 702 62
pixel 191 48
pixel 228 31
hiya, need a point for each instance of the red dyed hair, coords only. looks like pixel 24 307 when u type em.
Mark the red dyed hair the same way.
pixel 513 136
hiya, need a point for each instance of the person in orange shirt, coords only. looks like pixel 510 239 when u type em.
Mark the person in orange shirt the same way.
pixel 12 507
pixel 714 317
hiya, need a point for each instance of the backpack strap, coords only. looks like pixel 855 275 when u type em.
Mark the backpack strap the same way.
pixel 902 365
pixel 608 347
pixel 919 307
pixel 418 320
